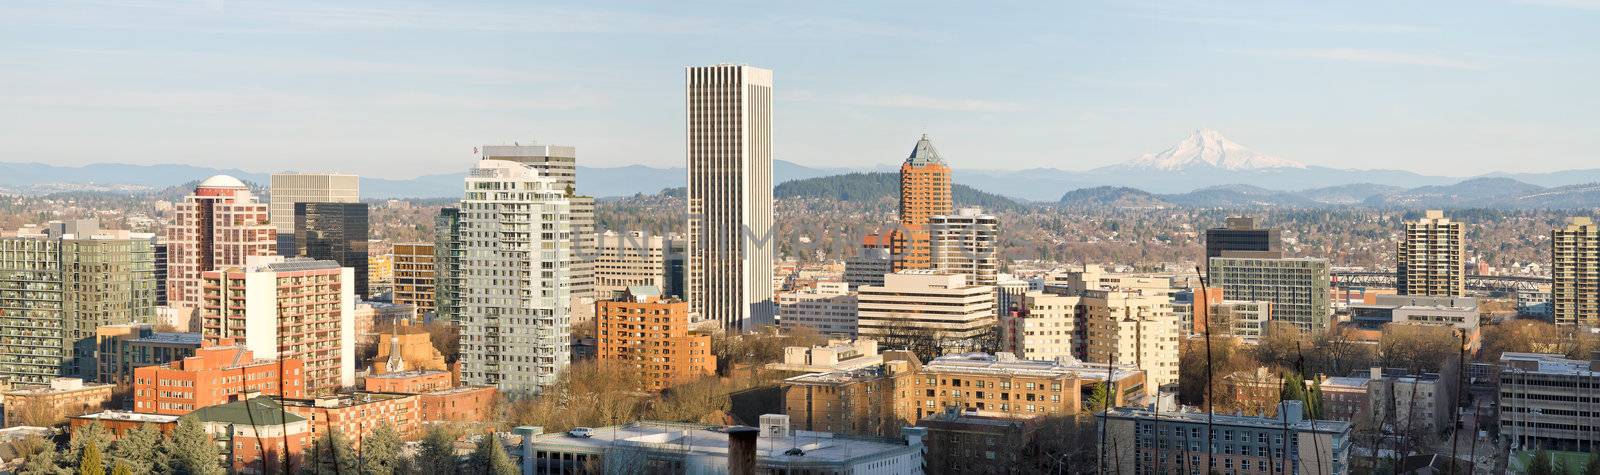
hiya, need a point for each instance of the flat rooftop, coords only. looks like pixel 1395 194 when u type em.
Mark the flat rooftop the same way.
pixel 130 416
pixel 704 440
pixel 1546 363
pixel 1005 364
pixel 1199 417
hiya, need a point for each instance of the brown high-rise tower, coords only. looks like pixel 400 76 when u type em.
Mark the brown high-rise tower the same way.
pixel 924 193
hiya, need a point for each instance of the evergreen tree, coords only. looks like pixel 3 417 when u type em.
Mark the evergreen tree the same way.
pixel 138 449
pixel 380 453
pixel 1540 464
pixel 192 451
pixel 1097 398
pixel 93 434
pixel 91 463
pixel 40 458
pixel 331 454
pixel 438 454
pixel 490 458
pixel 122 468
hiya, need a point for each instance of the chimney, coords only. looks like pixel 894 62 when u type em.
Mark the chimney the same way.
pixel 914 435
pixel 742 450
pixel 1377 373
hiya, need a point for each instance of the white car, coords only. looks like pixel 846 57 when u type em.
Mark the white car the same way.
pixel 584 432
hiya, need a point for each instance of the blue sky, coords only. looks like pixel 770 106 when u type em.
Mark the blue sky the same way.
pixel 401 89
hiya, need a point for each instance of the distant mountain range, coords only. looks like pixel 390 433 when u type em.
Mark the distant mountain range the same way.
pixel 1195 166
pixel 879 185
pixel 1503 193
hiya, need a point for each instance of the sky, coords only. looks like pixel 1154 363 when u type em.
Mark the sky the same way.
pixel 396 89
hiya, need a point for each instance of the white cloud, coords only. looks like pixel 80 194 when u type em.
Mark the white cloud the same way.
pixel 1372 56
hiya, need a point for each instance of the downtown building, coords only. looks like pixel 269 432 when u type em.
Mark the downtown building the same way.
pixel 1297 289
pixel 945 309
pixel 59 283
pixel 1575 273
pixel 414 275
pixel 296 308
pixel 870 264
pixel 924 194
pixel 1547 402
pixel 1140 440
pixel 637 258
pixel 515 287
pixel 120 349
pixel 829 308
pixel 334 232
pixel 965 243
pixel 1431 257
pixel 220 371
pixel 447 264
pixel 731 245
pixel 219 225
pixel 1240 237
pixel 285 190
pixel 651 334
pixel 561 163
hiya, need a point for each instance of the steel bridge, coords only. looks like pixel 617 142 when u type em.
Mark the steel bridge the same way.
pixel 1479 283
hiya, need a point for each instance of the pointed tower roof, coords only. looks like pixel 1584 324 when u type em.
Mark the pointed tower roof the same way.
pixel 923 153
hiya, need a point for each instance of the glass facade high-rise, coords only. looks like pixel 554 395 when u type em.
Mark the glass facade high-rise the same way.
pixel 1297 288
pixel 287 189
pixel 334 232
pixel 731 246
pixel 1242 238
pixel 61 283
pixel 447 264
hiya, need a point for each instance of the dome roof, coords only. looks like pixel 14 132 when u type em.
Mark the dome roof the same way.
pixel 222 181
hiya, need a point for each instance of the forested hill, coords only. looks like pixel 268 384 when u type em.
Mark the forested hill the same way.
pixel 874 186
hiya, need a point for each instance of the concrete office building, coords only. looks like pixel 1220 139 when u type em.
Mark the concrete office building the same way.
pixel 1575 273
pixel 965 243
pixel 1242 238
pixel 561 163
pixel 1458 313
pixel 334 232
pixel 1239 318
pixel 1144 441
pixel 219 225
pixel 516 243
pixel 924 193
pixel 288 308
pixel 447 265
pixel 288 189
pixel 636 258
pixel 1132 328
pixel 61 282
pixel 731 246
pixel 945 307
pixel 1008 293
pixel 1546 401
pixel 1431 257
pixel 414 275
pixel 828 308
pixel 868 266
pixel 1296 288
pixel 1046 326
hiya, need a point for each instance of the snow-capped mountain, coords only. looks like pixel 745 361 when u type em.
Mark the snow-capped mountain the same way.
pixel 1208 149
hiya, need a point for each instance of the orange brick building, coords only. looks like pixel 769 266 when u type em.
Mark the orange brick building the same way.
pixel 357 415
pixel 410 382
pixel 214 375
pixel 288 308
pixel 468 403
pixel 651 333
pixel 924 193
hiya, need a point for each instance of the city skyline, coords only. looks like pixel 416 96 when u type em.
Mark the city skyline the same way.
pixel 1415 87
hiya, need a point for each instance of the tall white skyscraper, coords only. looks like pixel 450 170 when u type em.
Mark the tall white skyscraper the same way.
pixel 561 163
pixel 729 117
pixel 515 277
pixel 290 188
